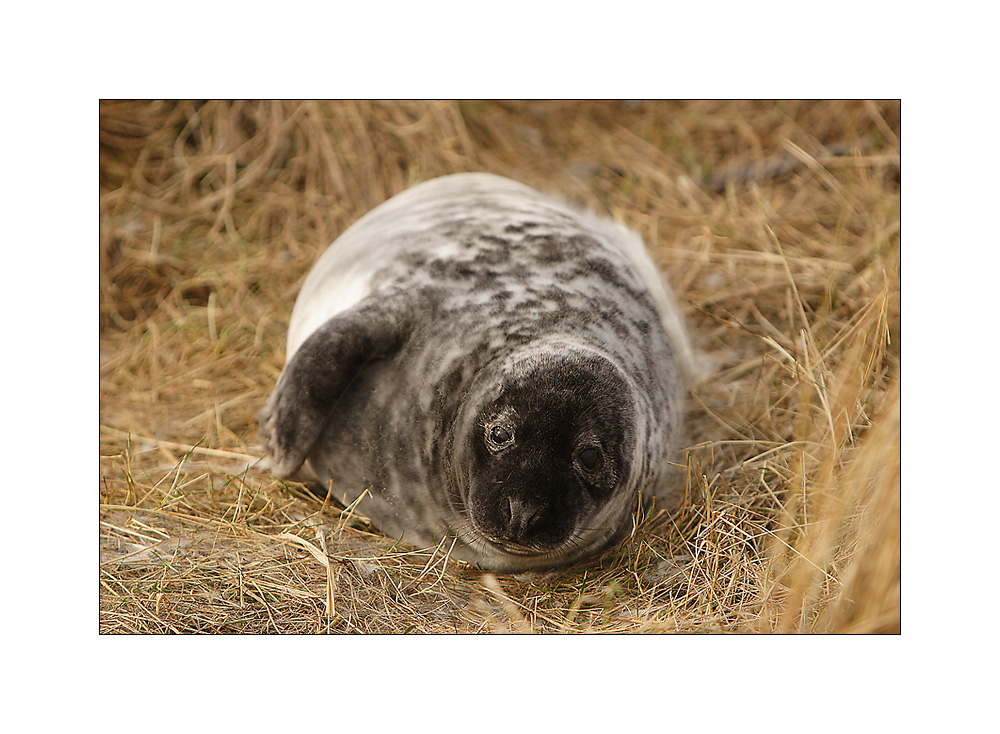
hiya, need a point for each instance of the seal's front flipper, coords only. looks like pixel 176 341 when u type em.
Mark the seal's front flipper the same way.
pixel 318 374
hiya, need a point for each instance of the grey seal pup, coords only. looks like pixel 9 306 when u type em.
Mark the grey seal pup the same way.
pixel 501 373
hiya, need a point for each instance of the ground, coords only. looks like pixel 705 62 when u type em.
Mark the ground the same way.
pixel 778 225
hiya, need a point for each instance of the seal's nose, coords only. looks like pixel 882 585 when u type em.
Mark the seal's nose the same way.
pixel 521 518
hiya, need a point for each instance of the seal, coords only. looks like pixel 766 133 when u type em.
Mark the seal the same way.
pixel 497 373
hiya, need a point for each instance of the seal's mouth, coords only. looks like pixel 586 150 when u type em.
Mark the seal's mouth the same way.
pixel 506 556
pixel 516 549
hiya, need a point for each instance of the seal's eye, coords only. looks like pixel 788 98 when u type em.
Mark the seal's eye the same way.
pixel 590 459
pixel 500 436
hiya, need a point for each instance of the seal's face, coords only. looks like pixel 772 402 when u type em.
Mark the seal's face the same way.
pixel 548 456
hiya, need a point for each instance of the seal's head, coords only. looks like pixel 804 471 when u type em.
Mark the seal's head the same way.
pixel 545 458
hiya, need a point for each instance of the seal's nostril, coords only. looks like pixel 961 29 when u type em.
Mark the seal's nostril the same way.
pixel 513 518
pixel 521 518
pixel 507 511
pixel 529 519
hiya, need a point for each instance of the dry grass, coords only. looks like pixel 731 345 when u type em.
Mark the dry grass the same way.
pixel 211 215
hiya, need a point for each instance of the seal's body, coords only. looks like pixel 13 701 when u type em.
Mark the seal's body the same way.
pixel 497 369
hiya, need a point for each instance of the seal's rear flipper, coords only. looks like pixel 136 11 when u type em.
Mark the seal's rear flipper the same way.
pixel 317 375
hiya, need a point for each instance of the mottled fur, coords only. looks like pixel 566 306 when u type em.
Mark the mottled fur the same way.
pixel 472 308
